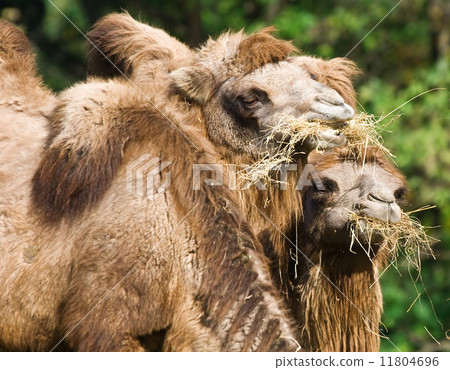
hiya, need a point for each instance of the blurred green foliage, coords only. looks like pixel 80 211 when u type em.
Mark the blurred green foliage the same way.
pixel 407 54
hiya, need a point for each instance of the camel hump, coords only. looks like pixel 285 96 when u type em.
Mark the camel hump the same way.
pixel 118 44
pixel 17 61
pixel 81 155
pixel 21 88
pixel 88 132
pixel 14 44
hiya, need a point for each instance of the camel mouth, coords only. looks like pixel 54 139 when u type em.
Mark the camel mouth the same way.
pixel 291 132
pixel 286 142
pixel 369 237
pixel 337 125
pixel 293 137
pixel 363 239
pixel 361 130
pixel 329 139
pixel 407 237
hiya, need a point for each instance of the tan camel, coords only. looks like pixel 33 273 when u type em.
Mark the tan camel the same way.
pixel 334 290
pixel 86 258
pixel 66 277
pixel 359 331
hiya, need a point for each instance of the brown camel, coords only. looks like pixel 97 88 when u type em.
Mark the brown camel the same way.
pixel 57 278
pixel 86 258
pixel 359 328
pixel 335 293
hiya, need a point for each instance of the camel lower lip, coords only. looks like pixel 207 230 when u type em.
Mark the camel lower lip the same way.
pixel 337 125
pixel 367 235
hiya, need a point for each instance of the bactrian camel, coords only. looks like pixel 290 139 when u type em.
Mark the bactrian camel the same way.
pixel 83 256
pixel 116 35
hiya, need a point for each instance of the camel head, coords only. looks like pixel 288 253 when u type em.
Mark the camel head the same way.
pixel 363 184
pixel 244 85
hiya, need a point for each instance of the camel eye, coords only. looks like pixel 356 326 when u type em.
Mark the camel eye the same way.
pixel 251 102
pixel 313 76
pixel 326 186
pixel 400 194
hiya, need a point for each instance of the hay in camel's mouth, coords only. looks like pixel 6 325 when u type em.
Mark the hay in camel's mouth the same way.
pixel 407 237
pixel 361 131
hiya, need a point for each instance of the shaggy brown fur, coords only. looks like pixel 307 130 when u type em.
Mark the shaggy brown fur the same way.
pixel 64 184
pixel 129 44
pixel 284 208
pixel 93 251
pixel 13 43
pixel 215 297
pixel 20 88
pixel 119 32
pixel 327 320
pixel 243 54
pixel 260 49
pixel 57 278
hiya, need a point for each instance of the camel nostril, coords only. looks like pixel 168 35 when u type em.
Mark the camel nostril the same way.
pixel 331 98
pixel 328 105
pixel 359 206
pixel 350 110
pixel 376 197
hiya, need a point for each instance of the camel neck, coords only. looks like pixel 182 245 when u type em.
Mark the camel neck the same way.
pixel 338 304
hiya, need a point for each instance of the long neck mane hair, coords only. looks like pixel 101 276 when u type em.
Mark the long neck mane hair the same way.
pixel 340 298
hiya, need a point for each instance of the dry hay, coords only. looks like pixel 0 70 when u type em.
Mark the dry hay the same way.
pixel 407 237
pixel 361 131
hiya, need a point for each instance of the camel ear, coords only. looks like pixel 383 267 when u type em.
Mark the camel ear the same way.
pixel 193 83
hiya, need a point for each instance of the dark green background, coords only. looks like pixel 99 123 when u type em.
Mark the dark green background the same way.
pixel 407 54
